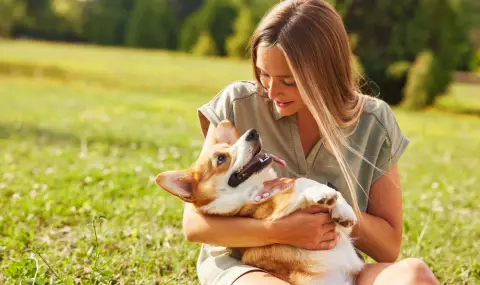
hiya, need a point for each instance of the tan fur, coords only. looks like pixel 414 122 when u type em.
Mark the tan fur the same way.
pixel 197 186
pixel 268 209
pixel 283 261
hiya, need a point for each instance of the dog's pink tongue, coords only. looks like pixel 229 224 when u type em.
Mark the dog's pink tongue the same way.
pixel 278 160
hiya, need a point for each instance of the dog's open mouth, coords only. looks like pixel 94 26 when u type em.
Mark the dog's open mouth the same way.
pixel 255 165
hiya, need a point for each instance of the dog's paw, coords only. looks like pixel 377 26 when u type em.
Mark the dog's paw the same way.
pixel 343 214
pixel 323 195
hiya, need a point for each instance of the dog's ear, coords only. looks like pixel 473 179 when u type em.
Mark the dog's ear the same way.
pixel 178 183
pixel 226 132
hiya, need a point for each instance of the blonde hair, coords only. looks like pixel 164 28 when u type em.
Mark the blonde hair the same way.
pixel 314 40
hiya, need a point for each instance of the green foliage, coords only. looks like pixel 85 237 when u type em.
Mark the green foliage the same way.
pixel 106 20
pixel 191 31
pixel 11 11
pixel 475 62
pixel 391 33
pixel 216 18
pixel 205 45
pixel 417 91
pixel 184 8
pixel 45 19
pixel 244 26
pixel 74 150
pixel 152 24
pixel 385 35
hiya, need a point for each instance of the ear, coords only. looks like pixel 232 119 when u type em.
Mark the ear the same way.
pixel 226 132
pixel 178 183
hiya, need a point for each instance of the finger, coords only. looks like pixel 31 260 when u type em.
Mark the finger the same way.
pixel 326 245
pixel 331 235
pixel 272 182
pixel 266 193
pixel 315 209
pixel 328 227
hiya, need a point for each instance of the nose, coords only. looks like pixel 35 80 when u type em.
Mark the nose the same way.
pixel 273 89
pixel 252 135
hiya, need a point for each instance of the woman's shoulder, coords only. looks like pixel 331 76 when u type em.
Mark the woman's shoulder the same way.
pixel 380 113
pixel 382 135
pixel 236 90
pixel 221 106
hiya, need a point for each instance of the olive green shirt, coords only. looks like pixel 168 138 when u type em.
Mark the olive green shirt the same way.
pixel 377 137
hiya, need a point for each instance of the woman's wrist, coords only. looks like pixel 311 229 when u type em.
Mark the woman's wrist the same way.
pixel 272 229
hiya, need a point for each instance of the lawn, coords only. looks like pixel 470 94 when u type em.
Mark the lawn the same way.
pixel 83 130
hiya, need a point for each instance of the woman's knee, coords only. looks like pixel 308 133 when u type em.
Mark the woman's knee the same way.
pixel 418 272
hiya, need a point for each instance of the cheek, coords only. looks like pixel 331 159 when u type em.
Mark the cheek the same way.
pixel 294 95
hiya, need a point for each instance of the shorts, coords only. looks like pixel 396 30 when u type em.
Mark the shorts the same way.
pixel 220 266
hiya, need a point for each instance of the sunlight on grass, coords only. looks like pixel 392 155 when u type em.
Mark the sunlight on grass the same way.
pixel 71 151
pixel 462 98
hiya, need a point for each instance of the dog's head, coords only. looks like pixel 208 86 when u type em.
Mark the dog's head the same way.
pixel 225 175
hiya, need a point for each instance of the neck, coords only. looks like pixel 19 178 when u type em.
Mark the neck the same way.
pixel 306 123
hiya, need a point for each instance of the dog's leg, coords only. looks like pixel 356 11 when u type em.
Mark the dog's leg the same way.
pixel 316 193
pixel 321 194
pixel 343 214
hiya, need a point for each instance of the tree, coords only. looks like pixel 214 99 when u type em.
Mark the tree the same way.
pixel 106 20
pixel 215 18
pixel 418 82
pixel 11 11
pixel 392 33
pixel 184 8
pixel 152 25
pixel 243 28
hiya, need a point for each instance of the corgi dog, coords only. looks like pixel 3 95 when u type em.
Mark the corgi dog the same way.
pixel 227 179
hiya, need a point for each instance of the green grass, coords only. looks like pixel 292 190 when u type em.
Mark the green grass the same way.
pixel 463 98
pixel 75 149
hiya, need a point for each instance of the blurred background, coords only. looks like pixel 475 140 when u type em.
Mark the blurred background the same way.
pixel 98 96
pixel 388 37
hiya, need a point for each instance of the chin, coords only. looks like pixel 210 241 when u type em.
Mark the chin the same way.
pixel 287 111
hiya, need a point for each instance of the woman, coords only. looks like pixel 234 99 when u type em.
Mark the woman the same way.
pixel 307 107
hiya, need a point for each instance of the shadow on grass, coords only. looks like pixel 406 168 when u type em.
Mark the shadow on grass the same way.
pixel 45 136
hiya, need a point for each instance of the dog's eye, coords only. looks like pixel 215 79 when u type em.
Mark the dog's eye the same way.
pixel 221 159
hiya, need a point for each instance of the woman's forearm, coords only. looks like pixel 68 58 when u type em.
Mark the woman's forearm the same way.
pixel 226 231
pixel 377 238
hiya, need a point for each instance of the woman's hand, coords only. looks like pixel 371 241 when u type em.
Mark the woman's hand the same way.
pixel 310 228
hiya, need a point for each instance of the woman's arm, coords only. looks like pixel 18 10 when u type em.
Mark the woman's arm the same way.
pixel 379 231
pixel 225 231
pixel 310 229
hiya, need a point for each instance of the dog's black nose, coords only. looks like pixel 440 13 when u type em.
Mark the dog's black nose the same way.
pixel 252 135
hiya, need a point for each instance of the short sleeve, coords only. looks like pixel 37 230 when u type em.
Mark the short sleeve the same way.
pixel 392 145
pixel 221 107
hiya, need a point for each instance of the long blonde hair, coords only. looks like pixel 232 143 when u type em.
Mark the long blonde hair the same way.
pixel 314 40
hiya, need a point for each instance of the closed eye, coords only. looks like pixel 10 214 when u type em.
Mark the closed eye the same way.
pixel 289 82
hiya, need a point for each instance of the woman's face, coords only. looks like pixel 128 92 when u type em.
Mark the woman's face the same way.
pixel 277 78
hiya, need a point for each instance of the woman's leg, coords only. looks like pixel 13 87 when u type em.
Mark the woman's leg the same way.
pixel 258 278
pixel 405 272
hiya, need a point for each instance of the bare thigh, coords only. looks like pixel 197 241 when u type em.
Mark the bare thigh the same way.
pixel 407 271
pixel 258 278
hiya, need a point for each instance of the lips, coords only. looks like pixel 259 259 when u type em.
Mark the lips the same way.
pixel 283 104
pixel 255 165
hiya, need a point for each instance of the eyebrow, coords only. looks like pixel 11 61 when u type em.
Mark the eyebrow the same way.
pixel 289 75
